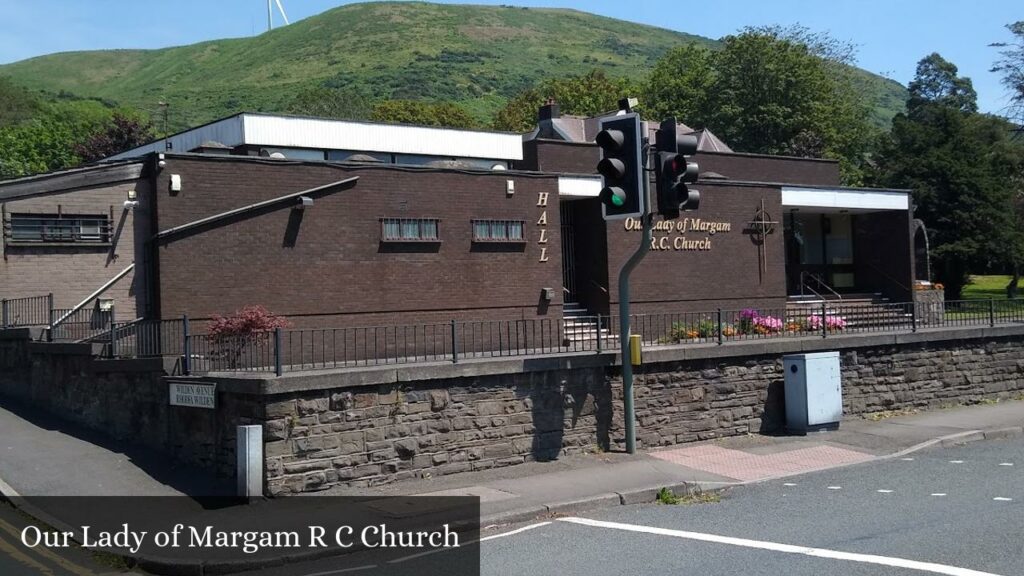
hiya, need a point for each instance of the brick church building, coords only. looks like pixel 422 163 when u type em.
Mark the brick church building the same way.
pixel 340 223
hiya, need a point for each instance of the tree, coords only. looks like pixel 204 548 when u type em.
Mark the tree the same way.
pixel 16 103
pixel 1011 66
pixel 591 94
pixel 961 166
pixel 767 92
pixel 936 82
pixel 323 102
pixel 123 133
pixel 421 113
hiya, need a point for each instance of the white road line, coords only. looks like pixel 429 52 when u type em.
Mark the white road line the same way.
pixel 835 487
pixel 485 539
pixel 514 532
pixel 786 548
pixel 789 484
pixel 1006 464
pixel 907 459
pixel 956 461
pixel 884 491
pixel 939 494
pixel 1002 499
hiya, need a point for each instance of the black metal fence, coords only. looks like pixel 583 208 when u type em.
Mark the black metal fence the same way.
pixel 31 311
pixel 290 350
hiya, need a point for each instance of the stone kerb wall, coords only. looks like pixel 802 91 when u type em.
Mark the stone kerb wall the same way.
pixel 393 424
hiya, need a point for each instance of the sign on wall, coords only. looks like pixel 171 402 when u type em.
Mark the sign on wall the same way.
pixel 194 395
pixel 685 234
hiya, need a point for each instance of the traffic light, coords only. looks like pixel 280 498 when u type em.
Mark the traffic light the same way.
pixel 675 171
pixel 621 167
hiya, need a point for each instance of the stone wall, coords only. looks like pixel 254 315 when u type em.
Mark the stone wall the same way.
pixel 126 400
pixel 372 426
pixel 393 424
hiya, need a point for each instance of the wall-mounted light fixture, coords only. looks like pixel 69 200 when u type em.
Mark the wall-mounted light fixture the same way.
pixel 547 293
pixel 510 187
pixel 175 182
pixel 132 195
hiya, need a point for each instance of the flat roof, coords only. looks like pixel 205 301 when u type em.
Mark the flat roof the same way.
pixel 282 131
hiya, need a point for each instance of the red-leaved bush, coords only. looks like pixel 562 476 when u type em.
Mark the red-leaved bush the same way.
pixel 245 331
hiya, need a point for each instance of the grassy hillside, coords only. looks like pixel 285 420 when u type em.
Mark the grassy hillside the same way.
pixel 475 55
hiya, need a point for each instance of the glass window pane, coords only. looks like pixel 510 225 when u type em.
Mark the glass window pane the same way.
pixel 410 230
pixel 428 230
pixel 515 230
pixel 391 229
pixel 481 230
pixel 498 230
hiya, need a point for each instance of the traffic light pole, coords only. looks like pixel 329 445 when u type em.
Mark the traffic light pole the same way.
pixel 629 412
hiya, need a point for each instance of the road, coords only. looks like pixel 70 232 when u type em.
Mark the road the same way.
pixel 946 511
pixel 957 511
pixel 17 560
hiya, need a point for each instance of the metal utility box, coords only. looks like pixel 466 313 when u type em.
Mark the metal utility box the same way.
pixel 814 395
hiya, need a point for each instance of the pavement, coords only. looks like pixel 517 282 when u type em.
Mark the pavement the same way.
pixel 40 456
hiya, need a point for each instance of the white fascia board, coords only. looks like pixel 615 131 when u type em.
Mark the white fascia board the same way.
pixel 579 187
pixel 228 132
pixel 848 199
pixel 290 132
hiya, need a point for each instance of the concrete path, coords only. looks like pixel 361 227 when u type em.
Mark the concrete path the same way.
pixel 41 456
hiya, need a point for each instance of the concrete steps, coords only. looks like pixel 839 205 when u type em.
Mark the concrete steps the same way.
pixel 579 325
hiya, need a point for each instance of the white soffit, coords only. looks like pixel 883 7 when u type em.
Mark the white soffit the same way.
pixel 849 199
pixel 291 132
pixel 577 187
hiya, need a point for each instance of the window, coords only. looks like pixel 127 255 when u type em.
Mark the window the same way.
pixel 498 231
pixel 409 230
pixel 57 228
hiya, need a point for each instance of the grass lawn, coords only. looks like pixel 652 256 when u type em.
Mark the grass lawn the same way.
pixel 985 287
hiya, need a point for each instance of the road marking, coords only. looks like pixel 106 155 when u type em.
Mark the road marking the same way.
pixel 22 558
pixel 835 487
pixel 1002 499
pixel 956 461
pixel 342 571
pixel 907 459
pixel 486 538
pixel 786 548
pixel 48 554
pixel 1006 463
pixel 789 484
pixel 939 494
pixel 884 491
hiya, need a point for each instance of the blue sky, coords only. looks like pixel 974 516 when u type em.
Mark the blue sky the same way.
pixel 891 35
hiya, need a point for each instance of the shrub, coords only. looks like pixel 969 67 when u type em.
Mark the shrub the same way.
pixel 232 335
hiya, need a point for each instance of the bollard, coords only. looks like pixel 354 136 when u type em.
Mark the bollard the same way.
pixel 249 455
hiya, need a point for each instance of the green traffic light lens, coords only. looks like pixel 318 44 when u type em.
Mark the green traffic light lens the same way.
pixel 618 201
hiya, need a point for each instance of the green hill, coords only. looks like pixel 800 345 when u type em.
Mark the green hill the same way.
pixel 477 56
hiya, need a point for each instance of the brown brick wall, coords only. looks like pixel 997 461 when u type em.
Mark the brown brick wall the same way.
pixel 72 273
pixel 329 259
pixel 728 275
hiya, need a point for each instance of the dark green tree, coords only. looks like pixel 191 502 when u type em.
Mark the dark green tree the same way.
pixel 16 103
pixel 591 94
pixel 961 166
pixel 768 92
pixel 444 114
pixel 323 102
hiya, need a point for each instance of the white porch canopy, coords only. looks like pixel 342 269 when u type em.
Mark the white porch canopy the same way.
pixel 845 199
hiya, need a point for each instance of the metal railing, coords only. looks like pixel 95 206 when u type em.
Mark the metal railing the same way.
pixel 80 325
pixel 291 350
pixel 30 311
